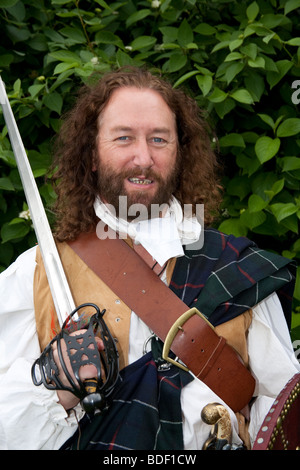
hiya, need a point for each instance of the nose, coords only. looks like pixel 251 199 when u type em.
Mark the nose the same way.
pixel 142 154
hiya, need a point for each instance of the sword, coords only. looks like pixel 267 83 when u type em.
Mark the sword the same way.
pixel 93 393
pixel 60 290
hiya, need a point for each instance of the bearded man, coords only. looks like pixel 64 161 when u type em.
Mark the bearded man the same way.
pixel 132 137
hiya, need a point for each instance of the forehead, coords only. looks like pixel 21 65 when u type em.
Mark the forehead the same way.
pixel 133 107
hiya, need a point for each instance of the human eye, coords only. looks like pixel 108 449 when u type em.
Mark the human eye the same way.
pixel 159 141
pixel 123 139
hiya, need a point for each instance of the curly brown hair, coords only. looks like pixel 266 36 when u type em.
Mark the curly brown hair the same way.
pixel 75 181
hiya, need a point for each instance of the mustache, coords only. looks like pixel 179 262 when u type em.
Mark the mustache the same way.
pixel 147 173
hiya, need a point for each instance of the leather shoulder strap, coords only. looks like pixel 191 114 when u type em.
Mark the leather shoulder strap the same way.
pixel 195 342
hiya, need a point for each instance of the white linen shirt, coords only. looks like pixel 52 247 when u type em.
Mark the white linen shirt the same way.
pixel 31 417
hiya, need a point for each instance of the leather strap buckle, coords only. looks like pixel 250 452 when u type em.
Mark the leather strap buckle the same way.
pixel 177 326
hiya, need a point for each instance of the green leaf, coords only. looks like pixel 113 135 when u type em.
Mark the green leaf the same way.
pixel 17 86
pixel 254 219
pixel 220 45
pixel 185 77
pixel 224 107
pixel 258 62
pixel 169 33
pixel 14 230
pixel 34 90
pixel 233 70
pixel 205 83
pixel 291 5
pixel 18 34
pixel 252 11
pixel 235 44
pixel 293 42
pixel 249 165
pixel 233 139
pixel 54 102
pixel 107 37
pixel 38 43
pixel 185 34
pixel 177 61
pixel 6 60
pixel 233 56
pixel 8 157
pixel 283 210
pixel 6 184
pixel 64 66
pixel 255 84
pixel 142 42
pixel 290 163
pixel 288 127
pixel 103 4
pixel 205 29
pixel 266 148
pixel 74 34
pixel 267 119
pixel 137 16
pixel 123 59
pixel 233 227
pixel 256 203
pixel 239 186
pixel 8 3
pixel 283 67
pixel 217 95
pixel 276 189
pixel 291 223
pixel 250 50
pixel 242 96
pixel 65 56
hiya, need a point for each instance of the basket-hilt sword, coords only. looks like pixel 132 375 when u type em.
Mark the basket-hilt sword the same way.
pixel 94 393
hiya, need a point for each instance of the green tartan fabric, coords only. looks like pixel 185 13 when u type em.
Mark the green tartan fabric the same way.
pixel 223 279
pixel 145 412
pixel 229 275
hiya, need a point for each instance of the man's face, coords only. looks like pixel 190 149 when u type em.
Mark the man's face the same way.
pixel 137 148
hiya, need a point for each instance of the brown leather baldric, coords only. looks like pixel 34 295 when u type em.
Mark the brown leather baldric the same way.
pixel 194 340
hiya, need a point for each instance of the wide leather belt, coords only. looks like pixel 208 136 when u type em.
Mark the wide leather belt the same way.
pixel 184 331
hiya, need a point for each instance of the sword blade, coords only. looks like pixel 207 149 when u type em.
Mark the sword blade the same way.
pixel 60 290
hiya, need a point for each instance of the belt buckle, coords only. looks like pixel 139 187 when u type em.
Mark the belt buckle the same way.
pixel 178 325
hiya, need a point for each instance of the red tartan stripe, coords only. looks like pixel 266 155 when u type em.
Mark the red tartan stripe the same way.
pixel 188 284
pixel 246 275
pixel 112 443
pixel 164 379
pixel 233 248
pixel 223 240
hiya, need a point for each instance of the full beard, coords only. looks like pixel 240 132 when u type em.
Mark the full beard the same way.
pixel 111 187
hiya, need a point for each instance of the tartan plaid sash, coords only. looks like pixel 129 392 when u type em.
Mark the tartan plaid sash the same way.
pixel 225 278
pixel 145 413
pixel 229 275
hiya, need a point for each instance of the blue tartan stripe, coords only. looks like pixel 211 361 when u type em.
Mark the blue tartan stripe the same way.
pixel 230 275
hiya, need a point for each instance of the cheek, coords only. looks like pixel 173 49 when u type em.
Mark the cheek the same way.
pixel 112 155
pixel 166 163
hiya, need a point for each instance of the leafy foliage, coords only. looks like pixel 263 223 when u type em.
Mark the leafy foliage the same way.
pixel 239 59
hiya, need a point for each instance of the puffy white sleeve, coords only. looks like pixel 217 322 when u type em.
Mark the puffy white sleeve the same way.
pixel 271 358
pixel 30 416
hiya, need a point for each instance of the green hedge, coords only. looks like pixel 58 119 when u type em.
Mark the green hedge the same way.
pixel 239 59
